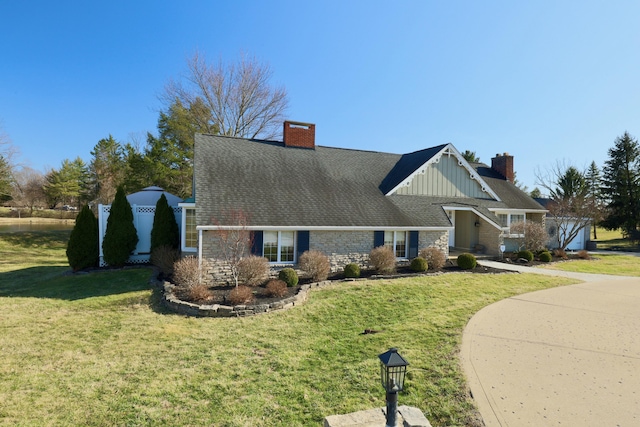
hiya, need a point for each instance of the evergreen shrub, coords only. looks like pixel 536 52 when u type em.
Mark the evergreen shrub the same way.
pixel 419 264
pixel 467 261
pixel 545 256
pixel 289 276
pixel 528 255
pixel 165 231
pixel 121 237
pixel 83 247
pixel 352 270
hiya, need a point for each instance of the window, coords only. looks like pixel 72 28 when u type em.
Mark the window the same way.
pixel 396 240
pixel 191 235
pixel 508 219
pixel 279 246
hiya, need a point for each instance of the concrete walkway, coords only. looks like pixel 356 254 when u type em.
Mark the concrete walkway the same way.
pixel 564 356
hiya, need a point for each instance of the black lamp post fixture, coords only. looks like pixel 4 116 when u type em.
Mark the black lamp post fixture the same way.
pixel 393 368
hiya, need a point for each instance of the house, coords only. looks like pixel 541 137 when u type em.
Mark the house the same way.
pixel 298 196
pixel 566 226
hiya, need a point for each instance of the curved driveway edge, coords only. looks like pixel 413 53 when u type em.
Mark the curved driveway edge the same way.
pixel 563 356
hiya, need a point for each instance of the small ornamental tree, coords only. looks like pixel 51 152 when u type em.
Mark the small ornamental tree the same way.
pixel 121 237
pixel 165 230
pixel 82 249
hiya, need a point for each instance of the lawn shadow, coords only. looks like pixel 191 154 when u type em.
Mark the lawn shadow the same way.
pixel 60 283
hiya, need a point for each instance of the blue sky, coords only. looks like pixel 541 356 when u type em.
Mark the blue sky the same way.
pixel 545 81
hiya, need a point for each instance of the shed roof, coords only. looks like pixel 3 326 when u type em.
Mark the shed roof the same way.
pixel 149 196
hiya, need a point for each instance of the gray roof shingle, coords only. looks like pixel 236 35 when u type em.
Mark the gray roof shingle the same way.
pixel 321 187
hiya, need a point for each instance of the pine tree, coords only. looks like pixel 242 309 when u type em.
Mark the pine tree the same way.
pixel 82 249
pixel 165 230
pixel 621 179
pixel 594 193
pixel 121 237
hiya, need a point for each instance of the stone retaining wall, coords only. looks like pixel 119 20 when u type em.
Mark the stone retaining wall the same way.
pixel 176 305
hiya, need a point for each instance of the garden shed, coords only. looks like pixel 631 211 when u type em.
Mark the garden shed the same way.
pixel 143 205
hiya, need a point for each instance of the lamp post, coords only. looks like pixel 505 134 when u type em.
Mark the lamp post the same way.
pixel 393 368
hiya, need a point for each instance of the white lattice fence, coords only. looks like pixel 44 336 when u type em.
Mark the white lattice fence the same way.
pixel 143 221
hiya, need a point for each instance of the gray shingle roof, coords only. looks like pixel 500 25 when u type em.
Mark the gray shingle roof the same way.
pixel 325 187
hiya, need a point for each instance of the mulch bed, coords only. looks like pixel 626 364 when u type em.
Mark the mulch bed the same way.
pixel 219 293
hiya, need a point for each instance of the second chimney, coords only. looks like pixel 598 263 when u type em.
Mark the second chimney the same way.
pixel 503 164
pixel 300 135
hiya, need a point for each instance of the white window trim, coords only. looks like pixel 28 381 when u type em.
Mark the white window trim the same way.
pixel 395 240
pixel 183 230
pixel 507 229
pixel 295 248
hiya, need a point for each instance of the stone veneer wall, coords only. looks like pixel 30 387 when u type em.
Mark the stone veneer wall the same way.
pixel 343 247
pixel 438 239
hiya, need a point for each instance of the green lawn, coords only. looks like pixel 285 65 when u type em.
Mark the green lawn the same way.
pixel 96 349
pixel 618 265
pixel 612 240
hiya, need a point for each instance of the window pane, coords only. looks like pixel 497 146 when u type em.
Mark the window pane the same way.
pixel 516 218
pixel 270 245
pixel 401 244
pixel 191 235
pixel 503 219
pixel 286 246
pixel 388 239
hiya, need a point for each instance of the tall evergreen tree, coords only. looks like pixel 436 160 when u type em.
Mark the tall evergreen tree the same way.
pixel 621 179
pixel 470 156
pixel 121 237
pixel 165 230
pixel 5 179
pixel 594 193
pixel 82 249
pixel 169 157
pixel 107 169
pixel 68 185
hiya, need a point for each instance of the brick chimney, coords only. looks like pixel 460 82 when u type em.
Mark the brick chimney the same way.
pixel 300 135
pixel 503 164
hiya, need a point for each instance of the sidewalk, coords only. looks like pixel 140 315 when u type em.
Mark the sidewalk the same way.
pixel 563 356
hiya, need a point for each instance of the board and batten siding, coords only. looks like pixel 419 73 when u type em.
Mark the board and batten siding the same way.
pixel 445 178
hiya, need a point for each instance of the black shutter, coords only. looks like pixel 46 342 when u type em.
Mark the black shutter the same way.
pixel 413 245
pixel 378 238
pixel 303 243
pixel 256 246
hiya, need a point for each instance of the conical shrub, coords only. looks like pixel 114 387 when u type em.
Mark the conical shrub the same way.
pixel 165 230
pixel 120 238
pixel 83 247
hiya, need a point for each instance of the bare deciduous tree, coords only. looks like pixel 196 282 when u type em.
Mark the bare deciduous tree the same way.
pixel 28 188
pixel 570 207
pixel 234 240
pixel 237 98
pixel 534 237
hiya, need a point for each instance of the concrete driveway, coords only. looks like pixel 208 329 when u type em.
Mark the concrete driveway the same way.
pixel 567 356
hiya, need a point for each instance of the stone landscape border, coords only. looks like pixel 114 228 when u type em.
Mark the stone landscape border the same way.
pixel 173 303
